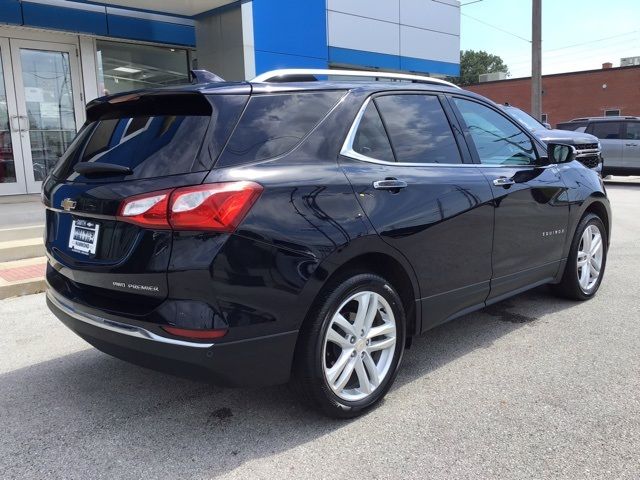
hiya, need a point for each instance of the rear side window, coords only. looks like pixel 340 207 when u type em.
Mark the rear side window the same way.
pixel 606 130
pixel 154 138
pixel 418 129
pixel 572 126
pixel 371 139
pixel 274 124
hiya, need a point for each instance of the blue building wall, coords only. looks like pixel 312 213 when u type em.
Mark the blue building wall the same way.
pixel 289 33
pixel 100 19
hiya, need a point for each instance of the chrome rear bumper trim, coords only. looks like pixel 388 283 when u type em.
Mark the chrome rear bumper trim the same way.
pixel 124 329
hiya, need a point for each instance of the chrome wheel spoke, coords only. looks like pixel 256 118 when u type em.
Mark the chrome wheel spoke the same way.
pixel 344 324
pixel 386 329
pixel 381 344
pixel 582 258
pixel 345 376
pixel 334 372
pixel 363 379
pixel 335 337
pixel 596 244
pixel 371 368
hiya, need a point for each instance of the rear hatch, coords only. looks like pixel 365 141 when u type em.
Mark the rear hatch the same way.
pixel 131 144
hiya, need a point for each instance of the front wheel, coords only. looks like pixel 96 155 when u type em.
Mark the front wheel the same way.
pixel 587 259
pixel 351 346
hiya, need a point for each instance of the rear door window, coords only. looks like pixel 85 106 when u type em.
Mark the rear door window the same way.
pixel 418 129
pixel 273 124
pixel 371 138
pixel 606 130
pixel 155 139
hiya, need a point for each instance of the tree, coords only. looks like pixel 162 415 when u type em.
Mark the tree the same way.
pixel 473 63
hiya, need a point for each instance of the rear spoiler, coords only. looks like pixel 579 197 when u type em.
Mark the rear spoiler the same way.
pixel 148 103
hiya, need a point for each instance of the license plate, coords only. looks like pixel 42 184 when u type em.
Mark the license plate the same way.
pixel 84 237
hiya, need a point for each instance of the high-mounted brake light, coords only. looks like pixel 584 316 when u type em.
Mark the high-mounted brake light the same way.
pixel 147 210
pixel 216 206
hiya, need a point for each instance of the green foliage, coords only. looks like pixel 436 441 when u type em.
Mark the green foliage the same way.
pixel 473 63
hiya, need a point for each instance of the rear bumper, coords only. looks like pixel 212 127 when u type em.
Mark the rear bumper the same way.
pixel 254 362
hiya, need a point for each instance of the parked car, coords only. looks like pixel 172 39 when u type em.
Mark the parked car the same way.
pixel 620 140
pixel 587 146
pixel 256 232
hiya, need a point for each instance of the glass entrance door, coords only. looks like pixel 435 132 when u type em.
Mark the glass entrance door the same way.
pixel 48 104
pixel 12 179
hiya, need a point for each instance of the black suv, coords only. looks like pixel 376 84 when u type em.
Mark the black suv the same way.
pixel 293 228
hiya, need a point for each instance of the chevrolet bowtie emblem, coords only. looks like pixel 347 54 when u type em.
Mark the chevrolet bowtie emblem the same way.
pixel 68 204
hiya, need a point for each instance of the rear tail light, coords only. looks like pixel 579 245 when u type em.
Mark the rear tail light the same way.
pixel 217 206
pixel 196 334
pixel 147 210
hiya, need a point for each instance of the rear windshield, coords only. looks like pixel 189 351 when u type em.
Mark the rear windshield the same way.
pixel 274 124
pixel 153 138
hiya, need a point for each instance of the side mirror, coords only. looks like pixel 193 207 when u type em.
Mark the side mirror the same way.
pixel 547 125
pixel 559 153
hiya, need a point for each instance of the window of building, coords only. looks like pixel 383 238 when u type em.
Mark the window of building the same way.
pixel 606 130
pixel 127 66
pixel 418 129
pixel 371 139
pixel 497 140
pixel 612 113
pixel 545 118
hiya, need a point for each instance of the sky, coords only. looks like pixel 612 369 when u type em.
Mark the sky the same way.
pixel 576 34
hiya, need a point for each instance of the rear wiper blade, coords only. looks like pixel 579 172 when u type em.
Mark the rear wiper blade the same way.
pixel 101 168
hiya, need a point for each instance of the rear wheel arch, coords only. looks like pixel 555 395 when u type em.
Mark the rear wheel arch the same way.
pixel 385 265
pixel 600 210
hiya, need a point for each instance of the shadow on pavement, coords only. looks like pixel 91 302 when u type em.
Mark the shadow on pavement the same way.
pixel 85 413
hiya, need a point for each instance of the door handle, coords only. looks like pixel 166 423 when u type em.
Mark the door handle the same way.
pixel 26 119
pixel 630 144
pixel 13 119
pixel 392 184
pixel 504 182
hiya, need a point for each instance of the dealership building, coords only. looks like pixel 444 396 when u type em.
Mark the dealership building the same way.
pixel 56 55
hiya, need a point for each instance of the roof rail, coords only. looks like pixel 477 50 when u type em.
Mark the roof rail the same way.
pixel 309 74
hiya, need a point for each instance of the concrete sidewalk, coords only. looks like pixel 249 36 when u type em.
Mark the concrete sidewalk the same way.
pixel 22 261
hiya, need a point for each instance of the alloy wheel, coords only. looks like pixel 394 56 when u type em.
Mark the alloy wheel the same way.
pixel 589 261
pixel 359 346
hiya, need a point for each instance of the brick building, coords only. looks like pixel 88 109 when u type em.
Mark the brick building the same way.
pixel 591 93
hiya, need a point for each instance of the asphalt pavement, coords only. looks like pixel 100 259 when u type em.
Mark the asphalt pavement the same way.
pixel 534 387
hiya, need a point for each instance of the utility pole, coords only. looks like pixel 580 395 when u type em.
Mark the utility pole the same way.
pixel 536 59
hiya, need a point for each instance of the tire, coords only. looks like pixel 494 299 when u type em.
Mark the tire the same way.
pixel 570 285
pixel 330 350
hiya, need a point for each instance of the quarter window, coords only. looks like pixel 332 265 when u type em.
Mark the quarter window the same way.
pixel 418 129
pixel 371 139
pixel 274 124
pixel 497 140
pixel 606 130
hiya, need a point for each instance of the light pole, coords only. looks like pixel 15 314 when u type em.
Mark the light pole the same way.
pixel 536 59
